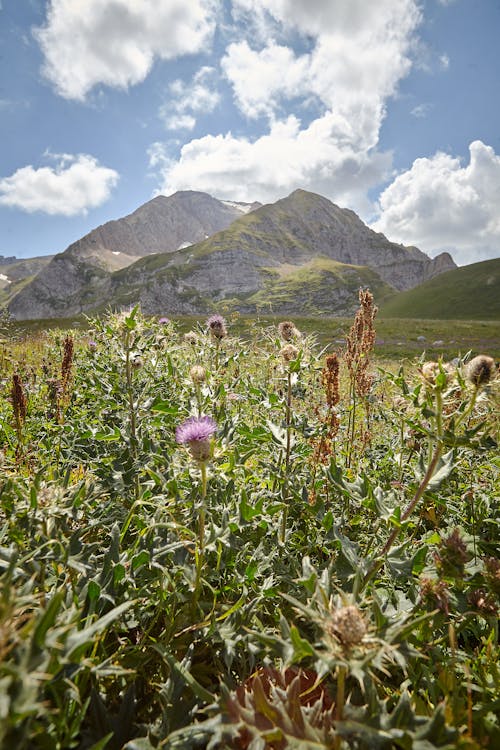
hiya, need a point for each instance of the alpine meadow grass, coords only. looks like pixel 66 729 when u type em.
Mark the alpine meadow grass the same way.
pixel 210 541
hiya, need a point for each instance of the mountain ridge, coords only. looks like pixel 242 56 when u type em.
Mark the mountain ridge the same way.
pixel 241 265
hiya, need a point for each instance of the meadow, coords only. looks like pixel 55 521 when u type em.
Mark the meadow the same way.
pixel 249 534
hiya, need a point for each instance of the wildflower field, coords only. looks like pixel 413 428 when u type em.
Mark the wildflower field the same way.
pixel 210 542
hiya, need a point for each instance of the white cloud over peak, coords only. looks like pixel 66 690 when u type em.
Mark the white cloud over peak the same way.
pixel 439 204
pixel 188 100
pixel 115 43
pixel 352 58
pixel 73 186
pixel 360 53
pixel 269 167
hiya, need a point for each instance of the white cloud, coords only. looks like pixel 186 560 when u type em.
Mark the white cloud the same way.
pixel 74 185
pixel 439 204
pixel 444 61
pixel 186 101
pixel 360 53
pixel 356 54
pixel 115 43
pixel 347 17
pixel 269 167
pixel 259 79
pixel 421 110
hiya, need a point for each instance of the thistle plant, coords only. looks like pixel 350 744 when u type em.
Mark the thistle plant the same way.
pixel 216 326
pixel 289 354
pixel 197 433
pixel 182 620
pixel 198 376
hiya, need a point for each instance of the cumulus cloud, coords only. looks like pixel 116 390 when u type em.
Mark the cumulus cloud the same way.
pixel 359 54
pixel 261 78
pixel 439 204
pixel 115 43
pixel 318 17
pixel 73 186
pixel 352 57
pixel 188 100
pixel 274 164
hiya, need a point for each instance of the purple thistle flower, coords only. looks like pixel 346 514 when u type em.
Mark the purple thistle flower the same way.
pixel 196 433
pixel 217 326
pixel 164 321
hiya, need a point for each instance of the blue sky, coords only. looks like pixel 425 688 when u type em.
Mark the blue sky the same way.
pixel 390 108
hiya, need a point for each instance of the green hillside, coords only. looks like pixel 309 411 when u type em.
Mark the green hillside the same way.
pixel 469 292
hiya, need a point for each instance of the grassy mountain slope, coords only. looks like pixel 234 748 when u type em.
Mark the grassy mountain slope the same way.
pixel 469 292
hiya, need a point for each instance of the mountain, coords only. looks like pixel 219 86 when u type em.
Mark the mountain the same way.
pixel 15 273
pixel 300 254
pixel 162 225
pixel 466 293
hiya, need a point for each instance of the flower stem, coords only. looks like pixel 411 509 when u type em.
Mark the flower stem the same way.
pixel 288 426
pixel 377 564
pixel 133 443
pixel 339 702
pixel 200 551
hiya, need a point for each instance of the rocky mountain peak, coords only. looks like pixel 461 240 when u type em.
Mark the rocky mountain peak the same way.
pixel 183 252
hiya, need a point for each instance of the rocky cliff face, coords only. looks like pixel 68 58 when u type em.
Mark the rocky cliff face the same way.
pixel 283 254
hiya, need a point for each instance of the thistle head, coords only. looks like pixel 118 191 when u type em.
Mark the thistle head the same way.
pixel 217 327
pixel 434 594
pixel 437 374
pixel 451 556
pixel 164 321
pixel 289 352
pixel 348 626
pixel 196 433
pixel 198 374
pixel 191 337
pixel 480 370
pixel 288 331
pixel 136 360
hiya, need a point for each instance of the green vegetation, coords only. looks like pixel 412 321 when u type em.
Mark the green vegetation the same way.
pixel 213 541
pixel 396 338
pixel 466 293
pixel 313 285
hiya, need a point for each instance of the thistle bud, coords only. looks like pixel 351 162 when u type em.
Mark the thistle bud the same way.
pixel 289 352
pixel 288 331
pixel 348 625
pixel 190 337
pixel 480 370
pixel 198 374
